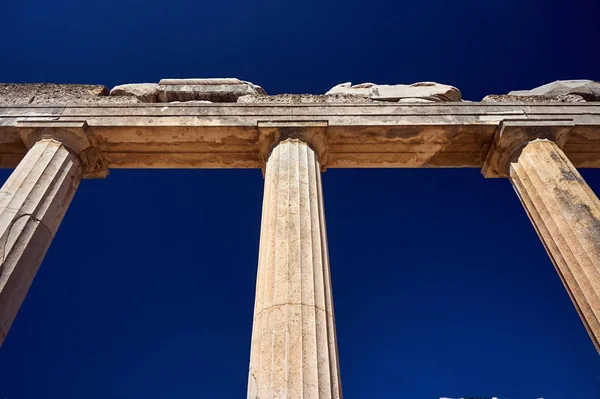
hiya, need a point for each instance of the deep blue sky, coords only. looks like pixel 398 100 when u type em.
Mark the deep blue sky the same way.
pixel 441 285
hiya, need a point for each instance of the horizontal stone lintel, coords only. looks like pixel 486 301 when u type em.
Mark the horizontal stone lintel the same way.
pixel 358 135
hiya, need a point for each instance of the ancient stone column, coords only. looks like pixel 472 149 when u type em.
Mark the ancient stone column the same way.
pixel 33 202
pixel 294 349
pixel 562 207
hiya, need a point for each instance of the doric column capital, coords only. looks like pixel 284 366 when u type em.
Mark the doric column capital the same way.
pixel 513 135
pixel 313 133
pixel 74 135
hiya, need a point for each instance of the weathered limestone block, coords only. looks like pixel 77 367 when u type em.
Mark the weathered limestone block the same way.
pixel 214 90
pixel 33 202
pixel 294 348
pixel 145 92
pixel 304 99
pixel 348 89
pixel 47 93
pixel 258 88
pixel 191 102
pixel 415 100
pixel 588 89
pixel 506 98
pixel 416 92
pixel 425 90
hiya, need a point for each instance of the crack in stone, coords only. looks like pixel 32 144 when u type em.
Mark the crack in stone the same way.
pixel 256 396
pixel 4 238
pixel 293 303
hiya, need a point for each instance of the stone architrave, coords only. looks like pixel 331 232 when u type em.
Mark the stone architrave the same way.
pixel 562 207
pixel 33 202
pixel 294 348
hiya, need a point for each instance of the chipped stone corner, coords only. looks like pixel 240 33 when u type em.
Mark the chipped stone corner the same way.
pixel 513 135
pixel 313 133
pixel 75 135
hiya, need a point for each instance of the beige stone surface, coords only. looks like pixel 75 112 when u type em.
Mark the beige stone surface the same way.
pixel 566 214
pixel 33 202
pixel 145 92
pixel 430 91
pixel 75 135
pixel 346 88
pixel 294 349
pixel 509 98
pixel 511 136
pixel 587 89
pixel 373 135
pixel 304 99
pixel 39 93
pixel 201 81
pixel 214 90
pixel 426 90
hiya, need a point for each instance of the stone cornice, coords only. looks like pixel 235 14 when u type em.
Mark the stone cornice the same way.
pixel 74 135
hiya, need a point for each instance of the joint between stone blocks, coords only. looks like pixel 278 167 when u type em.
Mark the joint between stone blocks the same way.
pixel 313 133
pixel 74 135
pixel 513 135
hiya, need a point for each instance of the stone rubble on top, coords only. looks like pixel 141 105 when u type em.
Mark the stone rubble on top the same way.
pixel 216 90
pixel 232 90
pixel 145 92
pixel 573 91
pixel 416 92
pixel 587 89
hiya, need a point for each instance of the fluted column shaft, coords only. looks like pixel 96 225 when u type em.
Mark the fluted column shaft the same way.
pixel 33 202
pixel 566 215
pixel 294 348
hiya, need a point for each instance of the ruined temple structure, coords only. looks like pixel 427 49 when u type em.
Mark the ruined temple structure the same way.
pixel 56 135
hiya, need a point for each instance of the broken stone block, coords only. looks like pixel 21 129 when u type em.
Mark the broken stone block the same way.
pixel 424 90
pixel 428 91
pixel 415 100
pixel 145 92
pixel 589 90
pixel 221 90
pixel 348 89
pixel 258 88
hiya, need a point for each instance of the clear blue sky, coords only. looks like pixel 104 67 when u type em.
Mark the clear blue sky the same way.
pixel 441 285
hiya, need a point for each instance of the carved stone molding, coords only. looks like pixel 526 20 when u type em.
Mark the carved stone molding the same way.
pixel 513 135
pixel 74 135
pixel 313 133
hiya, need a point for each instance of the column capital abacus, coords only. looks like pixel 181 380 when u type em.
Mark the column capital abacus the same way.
pixel 313 133
pixel 74 135
pixel 513 135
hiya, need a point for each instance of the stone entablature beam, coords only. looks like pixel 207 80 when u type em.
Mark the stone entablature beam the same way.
pixel 33 202
pixel 432 135
pixel 563 209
